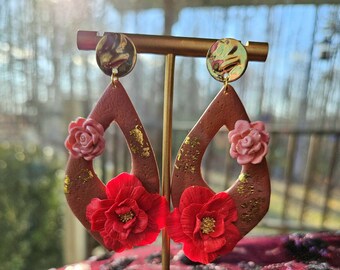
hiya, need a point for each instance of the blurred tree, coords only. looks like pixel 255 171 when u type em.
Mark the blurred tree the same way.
pixel 30 216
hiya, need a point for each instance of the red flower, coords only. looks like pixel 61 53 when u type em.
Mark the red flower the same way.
pixel 203 222
pixel 130 216
pixel 249 142
pixel 85 138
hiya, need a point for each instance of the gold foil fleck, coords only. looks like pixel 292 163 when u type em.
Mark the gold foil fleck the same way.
pixel 133 148
pixel 186 167
pixel 243 177
pixel 195 142
pixel 196 155
pixel 67 182
pixel 146 152
pixel 243 205
pixel 179 155
pixel 244 187
pixel 252 209
pixel 192 142
pixel 140 147
pixel 245 190
pixel 240 189
pixel 85 175
pixel 246 218
pixel 137 134
pixel 187 157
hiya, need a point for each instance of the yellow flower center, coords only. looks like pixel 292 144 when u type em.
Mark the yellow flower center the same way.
pixel 207 225
pixel 126 217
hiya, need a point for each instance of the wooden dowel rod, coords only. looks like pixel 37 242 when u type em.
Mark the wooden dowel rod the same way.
pixel 182 46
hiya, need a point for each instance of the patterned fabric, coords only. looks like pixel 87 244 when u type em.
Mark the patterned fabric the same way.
pixel 271 252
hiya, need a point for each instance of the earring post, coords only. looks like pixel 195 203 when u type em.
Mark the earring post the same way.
pixel 181 46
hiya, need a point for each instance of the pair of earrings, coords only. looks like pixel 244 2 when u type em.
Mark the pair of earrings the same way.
pixel 129 211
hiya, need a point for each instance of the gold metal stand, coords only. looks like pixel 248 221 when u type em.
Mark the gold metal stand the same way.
pixel 170 47
pixel 166 147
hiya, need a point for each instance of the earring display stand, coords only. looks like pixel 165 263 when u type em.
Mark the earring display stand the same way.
pixel 170 47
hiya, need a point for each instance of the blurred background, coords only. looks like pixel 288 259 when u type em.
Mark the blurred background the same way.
pixel 45 83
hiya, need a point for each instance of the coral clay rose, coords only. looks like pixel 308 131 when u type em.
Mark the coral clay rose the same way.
pixel 130 216
pixel 85 138
pixel 203 222
pixel 249 142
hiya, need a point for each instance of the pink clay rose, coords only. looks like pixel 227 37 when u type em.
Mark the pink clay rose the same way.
pixel 249 142
pixel 85 138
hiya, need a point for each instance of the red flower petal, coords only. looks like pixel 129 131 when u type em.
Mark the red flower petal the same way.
pixel 174 227
pixel 185 226
pixel 232 236
pixel 126 194
pixel 157 215
pixel 114 226
pixel 219 227
pixel 141 222
pixel 98 221
pixel 95 212
pixel 214 244
pixel 118 231
pixel 118 183
pixel 188 219
pixel 112 244
pixel 194 194
pixel 92 207
pixel 224 204
pixel 198 254
pixel 145 238
pixel 143 198
pixel 110 232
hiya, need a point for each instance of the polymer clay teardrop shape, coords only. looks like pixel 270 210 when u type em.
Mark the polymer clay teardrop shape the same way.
pixel 251 191
pixel 82 183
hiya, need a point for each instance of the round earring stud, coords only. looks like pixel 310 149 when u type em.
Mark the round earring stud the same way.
pixel 116 54
pixel 227 60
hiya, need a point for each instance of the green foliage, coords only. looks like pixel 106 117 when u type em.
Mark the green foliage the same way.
pixel 30 213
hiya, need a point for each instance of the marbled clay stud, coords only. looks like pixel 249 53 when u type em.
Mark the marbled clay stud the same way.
pixel 116 55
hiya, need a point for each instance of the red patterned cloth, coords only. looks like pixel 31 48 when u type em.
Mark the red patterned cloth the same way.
pixel 295 252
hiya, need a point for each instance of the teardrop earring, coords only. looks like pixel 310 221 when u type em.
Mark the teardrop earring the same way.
pixel 209 224
pixel 128 211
